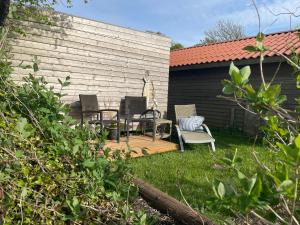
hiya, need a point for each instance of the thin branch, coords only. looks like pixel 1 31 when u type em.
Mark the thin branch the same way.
pixel 288 12
pixel 277 215
pixel 261 59
pixel 288 210
pixel 8 152
pixel 237 102
pixel 286 58
pixel 263 166
pixel 258 14
pixel 261 218
pixel 295 191
pixel 275 75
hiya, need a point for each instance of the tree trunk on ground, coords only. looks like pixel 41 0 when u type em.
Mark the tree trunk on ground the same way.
pixel 4 10
pixel 168 205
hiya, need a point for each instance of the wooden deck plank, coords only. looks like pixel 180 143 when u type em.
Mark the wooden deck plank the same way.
pixel 138 143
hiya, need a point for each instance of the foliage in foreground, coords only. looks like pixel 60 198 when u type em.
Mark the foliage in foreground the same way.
pixel 271 193
pixel 51 171
pixel 189 175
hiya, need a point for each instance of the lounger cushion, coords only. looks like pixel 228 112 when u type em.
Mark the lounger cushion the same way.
pixel 191 123
pixel 196 137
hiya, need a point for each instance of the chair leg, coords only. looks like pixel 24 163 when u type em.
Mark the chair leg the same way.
pixel 119 132
pixel 154 130
pixel 127 129
pixel 213 146
pixel 118 127
pixel 81 118
pixel 181 143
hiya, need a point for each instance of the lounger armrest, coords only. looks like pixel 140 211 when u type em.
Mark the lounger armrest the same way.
pixel 206 128
pixel 180 138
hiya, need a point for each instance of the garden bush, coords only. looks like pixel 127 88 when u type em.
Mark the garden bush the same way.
pixel 52 170
pixel 271 194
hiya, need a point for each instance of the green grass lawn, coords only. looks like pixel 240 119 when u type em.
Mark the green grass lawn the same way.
pixel 194 170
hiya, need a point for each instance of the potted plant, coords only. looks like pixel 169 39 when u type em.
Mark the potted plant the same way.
pixel 112 131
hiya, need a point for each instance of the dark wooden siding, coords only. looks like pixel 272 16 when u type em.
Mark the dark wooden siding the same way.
pixel 202 86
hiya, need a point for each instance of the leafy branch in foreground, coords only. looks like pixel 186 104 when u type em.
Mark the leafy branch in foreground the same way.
pixel 53 171
pixel 271 194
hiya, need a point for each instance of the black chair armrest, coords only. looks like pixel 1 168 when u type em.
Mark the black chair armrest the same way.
pixel 91 111
pixel 109 110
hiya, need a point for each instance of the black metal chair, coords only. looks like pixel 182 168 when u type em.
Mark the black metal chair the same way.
pixel 90 107
pixel 138 106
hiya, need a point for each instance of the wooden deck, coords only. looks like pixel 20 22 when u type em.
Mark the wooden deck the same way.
pixel 137 143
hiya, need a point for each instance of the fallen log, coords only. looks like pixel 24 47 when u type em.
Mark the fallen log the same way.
pixel 169 205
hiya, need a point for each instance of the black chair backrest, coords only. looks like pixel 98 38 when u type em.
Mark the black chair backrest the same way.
pixel 135 105
pixel 89 103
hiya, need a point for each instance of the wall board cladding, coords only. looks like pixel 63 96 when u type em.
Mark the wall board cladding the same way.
pixel 203 88
pixel 100 58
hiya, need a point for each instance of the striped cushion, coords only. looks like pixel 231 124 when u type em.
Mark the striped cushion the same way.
pixel 191 123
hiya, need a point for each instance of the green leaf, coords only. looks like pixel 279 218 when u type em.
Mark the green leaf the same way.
pixel 251 48
pixel 228 89
pixel 298 81
pixel 89 163
pixel 285 185
pixel 297 141
pixel 281 99
pixel 233 68
pixel 292 152
pixel 241 176
pixel 24 192
pixel 257 188
pixel 75 149
pixel 273 91
pixel 221 190
pixel 236 77
pixel 215 190
pixel 235 74
pixel 75 202
pixel 244 203
pixel 19 154
pixel 24 128
pixel 249 89
pixel 275 179
pixel 245 72
pixel 143 219
pixel 260 37
pixel 252 182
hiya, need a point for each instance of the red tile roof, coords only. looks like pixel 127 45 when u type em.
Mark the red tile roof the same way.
pixel 233 50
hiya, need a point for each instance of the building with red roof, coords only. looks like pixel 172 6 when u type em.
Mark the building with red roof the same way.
pixel 196 74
